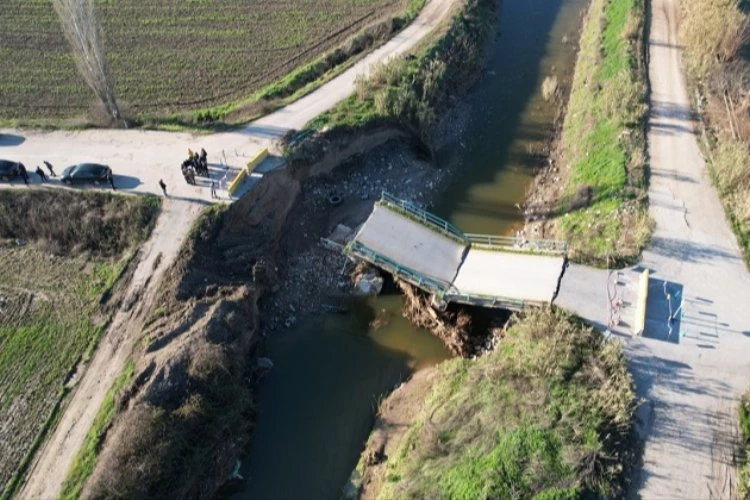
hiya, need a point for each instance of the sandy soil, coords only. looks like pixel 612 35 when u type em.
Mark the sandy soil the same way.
pixel 139 159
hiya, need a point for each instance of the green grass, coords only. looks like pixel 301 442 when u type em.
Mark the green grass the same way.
pixel 52 314
pixel 83 464
pixel 548 414
pixel 603 138
pixel 413 91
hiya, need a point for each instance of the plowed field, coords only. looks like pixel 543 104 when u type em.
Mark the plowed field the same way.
pixel 170 55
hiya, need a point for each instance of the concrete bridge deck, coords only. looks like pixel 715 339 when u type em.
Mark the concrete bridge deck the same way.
pixel 430 253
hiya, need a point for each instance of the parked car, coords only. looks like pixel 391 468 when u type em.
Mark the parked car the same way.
pixel 85 173
pixel 9 169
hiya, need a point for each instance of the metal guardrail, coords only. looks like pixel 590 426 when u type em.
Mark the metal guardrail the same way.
pixel 423 216
pixel 414 277
pixel 515 243
pixel 447 291
pixel 487 301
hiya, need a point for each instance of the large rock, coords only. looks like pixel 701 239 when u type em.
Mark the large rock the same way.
pixel 368 284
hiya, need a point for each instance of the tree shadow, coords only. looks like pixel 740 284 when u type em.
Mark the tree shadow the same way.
pixel 11 140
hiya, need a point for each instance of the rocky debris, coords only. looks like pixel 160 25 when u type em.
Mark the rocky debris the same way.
pixel 316 278
pixel 368 283
pixel 264 363
pixel 341 234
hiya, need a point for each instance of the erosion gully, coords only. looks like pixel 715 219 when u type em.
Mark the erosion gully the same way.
pixel 317 406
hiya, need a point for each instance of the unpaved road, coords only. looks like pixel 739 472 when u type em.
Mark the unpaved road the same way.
pixel 139 159
pixel 55 458
pixel 690 380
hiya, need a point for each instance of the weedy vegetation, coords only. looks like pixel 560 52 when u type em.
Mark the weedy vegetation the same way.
pixel 61 254
pixel 604 205
pixel 547 414
pixel 715 35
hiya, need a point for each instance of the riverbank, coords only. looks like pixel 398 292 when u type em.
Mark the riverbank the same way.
pixel 549 412
pixel 593 193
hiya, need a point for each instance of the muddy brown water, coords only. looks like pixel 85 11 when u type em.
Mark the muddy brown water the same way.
pixel 316 407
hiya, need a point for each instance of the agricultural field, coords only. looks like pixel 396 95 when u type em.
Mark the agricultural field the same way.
pixel 171 55
pixel 61 254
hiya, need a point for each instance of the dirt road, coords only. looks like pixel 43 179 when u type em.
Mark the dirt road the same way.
pixel 691 372
pixel 57 455
pixel 139 159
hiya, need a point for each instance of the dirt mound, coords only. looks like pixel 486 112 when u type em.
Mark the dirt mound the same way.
pixel 188 412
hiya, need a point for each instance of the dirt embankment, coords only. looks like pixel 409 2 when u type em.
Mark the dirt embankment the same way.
pixel 245 271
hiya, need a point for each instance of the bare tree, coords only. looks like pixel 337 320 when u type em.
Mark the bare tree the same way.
pixel 83 33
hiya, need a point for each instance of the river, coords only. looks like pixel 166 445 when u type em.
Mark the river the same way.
pixel 316 407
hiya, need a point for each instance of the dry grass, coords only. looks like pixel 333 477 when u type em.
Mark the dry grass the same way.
pixel 70 223
pixel 52 306
pixel 714 34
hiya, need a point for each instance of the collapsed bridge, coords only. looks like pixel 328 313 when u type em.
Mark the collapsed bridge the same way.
pixel 455 267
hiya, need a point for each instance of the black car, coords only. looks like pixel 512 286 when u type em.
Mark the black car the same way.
pixel 9 169
pixel 84 173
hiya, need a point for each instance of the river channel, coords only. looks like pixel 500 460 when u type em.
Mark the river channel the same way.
pixel 316 407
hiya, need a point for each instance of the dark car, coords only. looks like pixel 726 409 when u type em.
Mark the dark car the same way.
pixel 9 169
pixel 85 173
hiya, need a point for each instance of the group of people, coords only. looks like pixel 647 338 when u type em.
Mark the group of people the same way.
pixel 195 164
pixel 39 172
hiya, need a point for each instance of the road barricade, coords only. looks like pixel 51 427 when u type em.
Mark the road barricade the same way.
pixel 247 170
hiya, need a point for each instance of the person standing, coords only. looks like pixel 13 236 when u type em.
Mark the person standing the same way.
pixel 40 173
pixel 49 167
pixel 111 180
pixel 213 190
pixel 24 174
pixel 163 187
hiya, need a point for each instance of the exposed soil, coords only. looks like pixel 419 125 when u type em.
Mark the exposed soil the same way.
pixel 203 334
pixel 314 277
pixel 395 415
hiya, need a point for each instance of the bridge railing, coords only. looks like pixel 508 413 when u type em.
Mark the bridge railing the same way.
pixel 414 277
pixel 487 301
pixel 424 217
pixel 515 243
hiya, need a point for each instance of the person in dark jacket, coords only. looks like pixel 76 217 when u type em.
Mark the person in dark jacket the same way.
pixel 40 173
pixel 49 167
pixel 24 174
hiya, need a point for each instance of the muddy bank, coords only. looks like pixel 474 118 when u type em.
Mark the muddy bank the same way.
pixel 245 271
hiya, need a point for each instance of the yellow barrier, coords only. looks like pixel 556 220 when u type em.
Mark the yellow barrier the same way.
pixel 257 160
pixel 236 182
pixel 640 313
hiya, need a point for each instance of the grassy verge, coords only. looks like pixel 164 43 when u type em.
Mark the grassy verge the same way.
pixel 604 201
pixel 57 273
pixel 413 90
pixel 547 414
pixel 715 37
pixel 83 465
